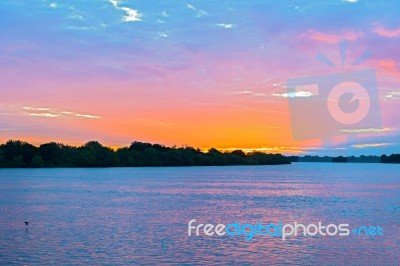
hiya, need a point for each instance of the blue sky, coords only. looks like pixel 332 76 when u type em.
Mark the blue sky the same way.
pixel 202 73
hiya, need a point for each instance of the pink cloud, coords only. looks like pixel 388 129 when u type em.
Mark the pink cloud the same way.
pixel 390 33
pixel 333 38
pixel 389 65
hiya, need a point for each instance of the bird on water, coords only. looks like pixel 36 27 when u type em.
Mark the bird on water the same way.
pixel 26 223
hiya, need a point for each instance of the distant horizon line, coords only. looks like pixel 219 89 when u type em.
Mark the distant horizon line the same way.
pixel 204 150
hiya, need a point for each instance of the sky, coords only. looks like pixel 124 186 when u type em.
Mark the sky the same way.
pixel 198 73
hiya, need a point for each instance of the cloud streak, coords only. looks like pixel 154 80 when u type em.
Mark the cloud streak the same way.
pixel 226 26
pixel 372 145
pixel 131 15
pixel 333 38
pixel 388 33
pixel 393 95
pixel 199 12
pixel 48 112
pixel 366 130
pixel 296 94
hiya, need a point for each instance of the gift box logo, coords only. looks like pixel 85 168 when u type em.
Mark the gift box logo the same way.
pixel 330 105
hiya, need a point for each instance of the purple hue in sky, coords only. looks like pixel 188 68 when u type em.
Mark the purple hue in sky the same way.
pixel 202 73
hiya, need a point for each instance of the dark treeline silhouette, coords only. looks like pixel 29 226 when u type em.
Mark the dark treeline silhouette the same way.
pixel 319 159
pixel 310 158
pixel 339 159
pixel 19 154
pixel 394 158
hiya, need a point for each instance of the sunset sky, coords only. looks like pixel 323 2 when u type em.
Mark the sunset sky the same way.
pixel 201 73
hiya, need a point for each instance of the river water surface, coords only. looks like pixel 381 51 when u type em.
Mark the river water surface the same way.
pixel 141 215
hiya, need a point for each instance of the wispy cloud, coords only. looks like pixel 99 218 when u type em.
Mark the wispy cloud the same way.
pixel 131 15
pixel 162 34
pixel 199 12
pixel 11 129
pixel 333 38
pixel 48 112
pixel 384 32
pixel 392 95
pixel 296 94
pixel 251 93
pixel 36 108
pixel 226 26
pixel 44 114
pixel 351 1
pixel 366 130
pixel 389 66
pixel 372 145
pixel 242 92
pixel 88 116
pixel 53 5
pixel 115 3
pixel 76 16
pixel 80 28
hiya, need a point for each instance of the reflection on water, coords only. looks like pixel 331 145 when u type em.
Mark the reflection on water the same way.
pixel 140 215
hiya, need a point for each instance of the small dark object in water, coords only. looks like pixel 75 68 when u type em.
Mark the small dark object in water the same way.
pixel 26 223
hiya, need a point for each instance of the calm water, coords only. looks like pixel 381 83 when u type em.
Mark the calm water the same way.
pixel 140 215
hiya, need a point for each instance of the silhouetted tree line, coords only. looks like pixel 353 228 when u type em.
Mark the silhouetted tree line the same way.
pixel 319 159
pixel 19 154
pixel 339 159
pixel 364 159
pixel 394 158
pixel 310 158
